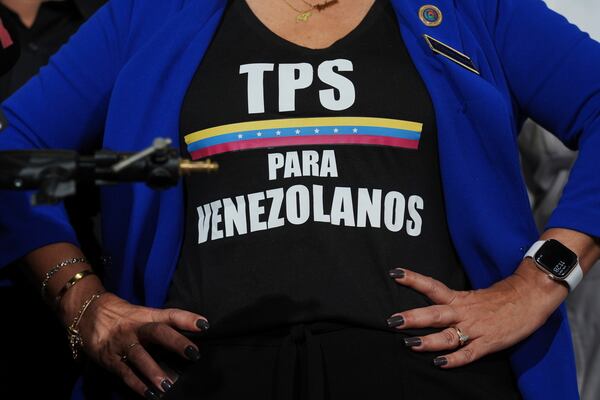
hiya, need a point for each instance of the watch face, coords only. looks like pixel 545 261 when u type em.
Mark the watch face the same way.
pixel 556 258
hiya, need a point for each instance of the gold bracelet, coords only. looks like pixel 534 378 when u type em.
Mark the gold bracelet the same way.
pixel 70 283
pixel 75 340
pixel 57 268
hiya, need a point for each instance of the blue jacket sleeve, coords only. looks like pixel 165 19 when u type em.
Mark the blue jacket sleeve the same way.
pixel 553 71
pixel 63 107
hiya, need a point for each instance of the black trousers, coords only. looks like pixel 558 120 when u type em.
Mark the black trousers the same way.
pixel 325 362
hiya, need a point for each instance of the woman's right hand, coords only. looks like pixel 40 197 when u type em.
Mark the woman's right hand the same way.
pixel 114 334
pixel 112 328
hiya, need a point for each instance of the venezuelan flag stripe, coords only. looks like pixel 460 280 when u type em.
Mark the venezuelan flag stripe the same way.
pixel 341 139
pixel 304 131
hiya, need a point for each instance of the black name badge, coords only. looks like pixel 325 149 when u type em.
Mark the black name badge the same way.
pixel 452 54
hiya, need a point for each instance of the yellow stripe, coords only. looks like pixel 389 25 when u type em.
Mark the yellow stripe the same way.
pixel 301 123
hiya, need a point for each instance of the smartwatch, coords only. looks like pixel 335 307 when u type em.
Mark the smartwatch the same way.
pixel 557 261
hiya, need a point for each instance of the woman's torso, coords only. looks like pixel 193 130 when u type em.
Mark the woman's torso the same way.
pixel 305 225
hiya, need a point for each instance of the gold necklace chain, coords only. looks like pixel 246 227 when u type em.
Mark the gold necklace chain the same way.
pixel 304 15
pixel 290 5
pixel 321 6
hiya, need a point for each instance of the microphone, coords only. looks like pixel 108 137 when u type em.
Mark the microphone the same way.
pixel 54 174
pixel 9 50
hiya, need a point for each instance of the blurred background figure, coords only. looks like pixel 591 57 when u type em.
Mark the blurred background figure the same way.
pixel 40 27
pixel 546 165
pixel 9 51
pixel 30 358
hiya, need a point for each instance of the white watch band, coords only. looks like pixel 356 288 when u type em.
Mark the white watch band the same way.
pixel 572 280
pixel 574 277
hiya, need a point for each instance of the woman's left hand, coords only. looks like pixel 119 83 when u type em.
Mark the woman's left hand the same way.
pixel 494 318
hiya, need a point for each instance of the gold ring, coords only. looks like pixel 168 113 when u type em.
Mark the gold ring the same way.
pixel 125 355
pixel 462 338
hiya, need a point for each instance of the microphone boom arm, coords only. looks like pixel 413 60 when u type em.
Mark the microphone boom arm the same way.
pixel 54 174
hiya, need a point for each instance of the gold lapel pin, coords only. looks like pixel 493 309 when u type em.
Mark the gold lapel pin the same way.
pixel 430 15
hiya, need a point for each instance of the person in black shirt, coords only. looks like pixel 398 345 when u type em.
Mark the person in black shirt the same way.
pixel 314 233
pixel 9 51
pixel 39 28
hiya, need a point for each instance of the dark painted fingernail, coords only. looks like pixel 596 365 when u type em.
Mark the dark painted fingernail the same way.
pixel 395 321
pixel 412 341
pixel 202 324
pixel 440 361
pixel 149 394
pixel 166 385
pixel 397 273
pixel 192 353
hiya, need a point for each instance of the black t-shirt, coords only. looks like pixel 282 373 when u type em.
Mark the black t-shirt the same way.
pixel 329 177
pixel 55 22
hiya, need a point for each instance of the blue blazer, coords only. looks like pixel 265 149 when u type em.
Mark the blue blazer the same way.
pixel 128 68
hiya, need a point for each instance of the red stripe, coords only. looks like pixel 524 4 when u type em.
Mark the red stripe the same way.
pixel 5 38
pixel 304 140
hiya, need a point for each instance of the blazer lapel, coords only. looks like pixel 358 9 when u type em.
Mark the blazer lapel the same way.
pixel 447 32
pixel 460 81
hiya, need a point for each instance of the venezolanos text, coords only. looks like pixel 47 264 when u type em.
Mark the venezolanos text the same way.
pixel 300 204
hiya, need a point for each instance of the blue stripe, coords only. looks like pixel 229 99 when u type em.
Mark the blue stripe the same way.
pixel 305 131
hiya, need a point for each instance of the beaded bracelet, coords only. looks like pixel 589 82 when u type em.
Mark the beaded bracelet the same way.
pixel 75 340
pixel 70 283
pixel 57 268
